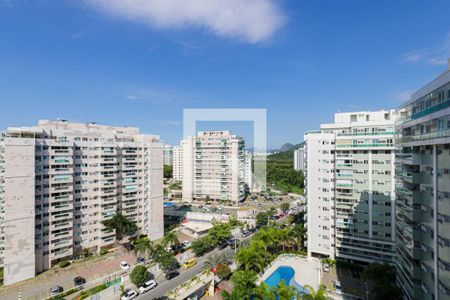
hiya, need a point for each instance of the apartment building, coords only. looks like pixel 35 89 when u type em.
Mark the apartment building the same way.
pixel 214 166
pixel 350 187
pixel 178 163
pixel 60 179
pixel 168 155
pixel 423 192
pixel 299 158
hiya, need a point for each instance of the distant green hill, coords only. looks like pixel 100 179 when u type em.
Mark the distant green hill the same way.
pixel 285 155
pixel 281 174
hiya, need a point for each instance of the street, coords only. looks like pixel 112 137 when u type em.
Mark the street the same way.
pixel 165 285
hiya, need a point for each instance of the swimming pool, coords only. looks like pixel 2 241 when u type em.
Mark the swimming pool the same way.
pixel 285 273
pixel 169 204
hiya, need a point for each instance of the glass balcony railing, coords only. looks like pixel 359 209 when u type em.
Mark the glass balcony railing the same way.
pixel 368 133
pixel 425 136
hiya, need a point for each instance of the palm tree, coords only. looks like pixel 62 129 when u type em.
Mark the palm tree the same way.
pixel 285 238
pixel 285 292
pixel 213 260
pixel 121 225
pixel 234 295
pixel 249 257
pixel 244 283
pixel 265 292
pixel 143 246
pixel 320 294
pixel 299 233
pixel 268 236
pixel 171 239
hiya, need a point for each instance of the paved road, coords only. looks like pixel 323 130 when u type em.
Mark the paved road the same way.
pixel 165 285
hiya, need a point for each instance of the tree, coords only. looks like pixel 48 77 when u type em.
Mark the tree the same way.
pixel 121 225
pixel 299 232
pixel 272 211
pixel 285 206
pixel 268 236
pixel 264 292
pixel 234 295
pixel 384 277
pixel 214 260
pixel 320 294
pixel 244 282
pixel 207 199
pixel 171 239
pixel 139 275
pixel 285 238
pixel 223 271
pixel 285 292
pixel 202 246
pixel 251 257
pixel 219 232
pixel 143 247
pixel 261 219
pixel 168 171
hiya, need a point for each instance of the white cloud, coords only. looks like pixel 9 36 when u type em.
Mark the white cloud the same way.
pixel 149 95
pixel 433 56
pixel 413 56
pixel 252 21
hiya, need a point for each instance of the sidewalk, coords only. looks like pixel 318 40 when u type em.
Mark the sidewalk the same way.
pixel 91 269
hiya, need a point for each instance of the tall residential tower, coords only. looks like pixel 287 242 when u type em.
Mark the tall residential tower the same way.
pixel 58 182
pixel 350 187
pixel 214 166
pixel 423 192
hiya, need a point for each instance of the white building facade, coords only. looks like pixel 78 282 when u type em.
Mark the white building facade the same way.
pixel 213 165
pixel 68 177
pixel 299 159
pixel 350 187
pixel 168 155
pixel 178 163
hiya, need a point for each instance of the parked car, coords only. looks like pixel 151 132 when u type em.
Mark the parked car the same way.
pixel 223 244
pixel 173 267
pixel 79 282
pixel 147 286
pixel 168 249
pixel 141 260
pixel 186 244
pixel 338 287
pixel 129 294
pixel 326 268
pixel 124 265
pixel 172 274
pixel 190 263
pixel 55 290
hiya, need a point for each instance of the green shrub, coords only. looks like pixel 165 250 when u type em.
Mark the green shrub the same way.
pixel 93 291
pixel 63 294
pixel 139 275
pixel 103 251
pixel 64 263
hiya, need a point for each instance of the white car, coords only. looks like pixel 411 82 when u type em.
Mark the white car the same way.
pixel 186 244
pixel 124 265
pixel 168 249
pixel 151 284
pixel 326 268
pixel 129 294
pixel 338 287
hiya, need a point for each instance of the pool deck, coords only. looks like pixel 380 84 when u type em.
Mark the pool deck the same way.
pixel 307 270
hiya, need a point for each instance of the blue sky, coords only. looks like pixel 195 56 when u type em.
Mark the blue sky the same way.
pixel 128 62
